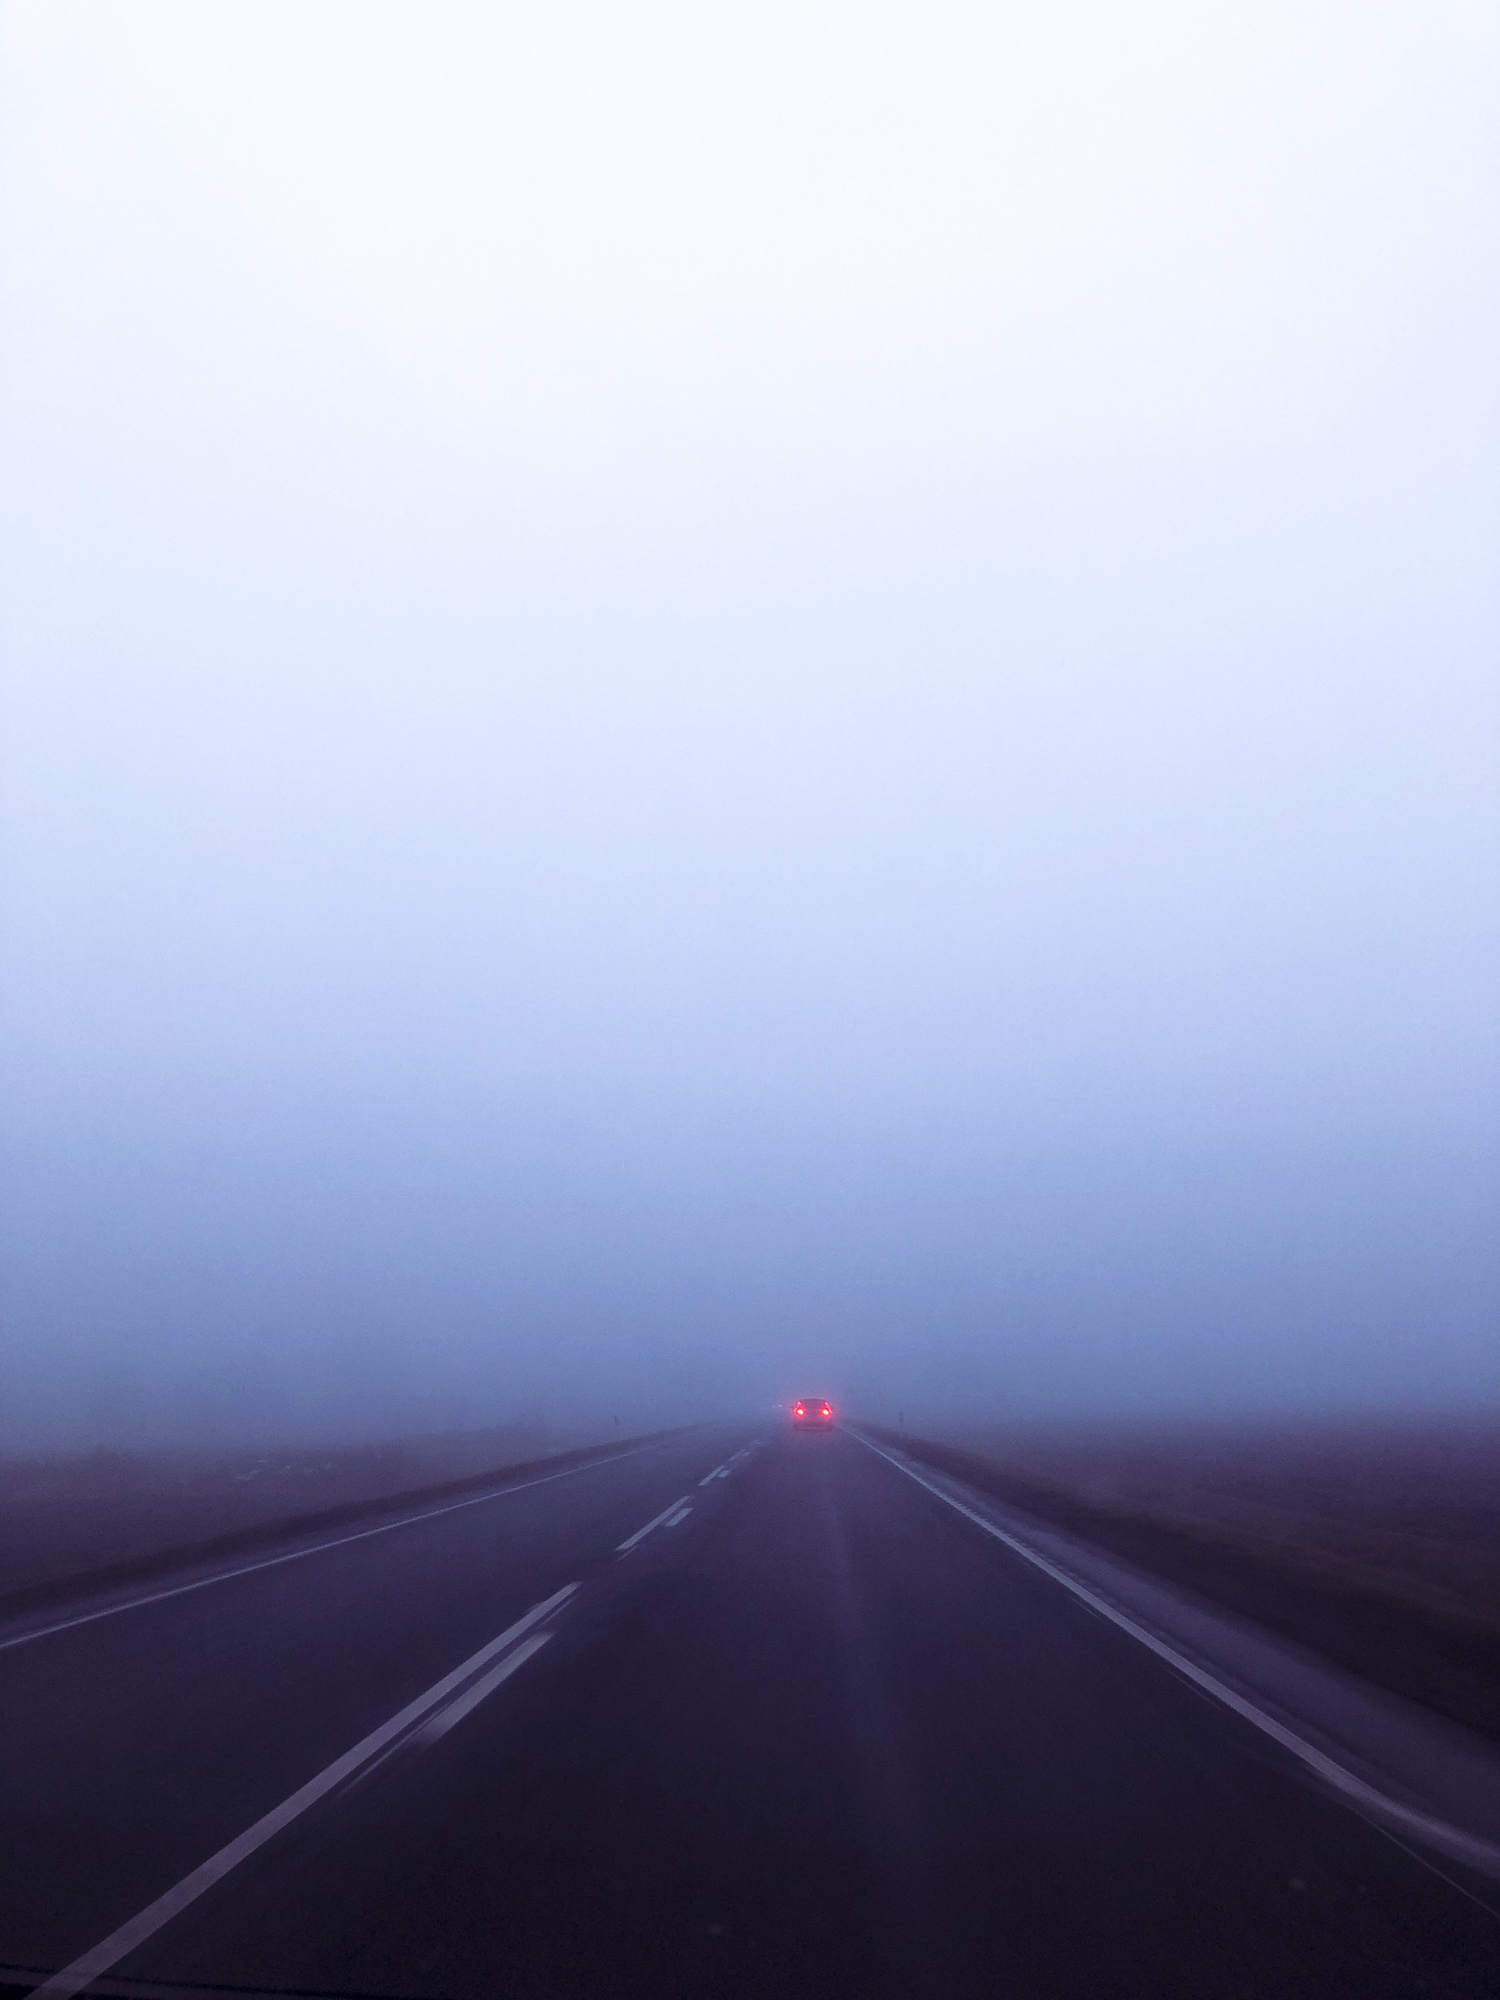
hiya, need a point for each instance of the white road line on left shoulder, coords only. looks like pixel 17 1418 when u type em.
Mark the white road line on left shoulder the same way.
pixel 93 1964
pixel 678 1507
pixel 501 1492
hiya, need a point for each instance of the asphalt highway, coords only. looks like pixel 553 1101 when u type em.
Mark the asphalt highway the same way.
pixel 736 1713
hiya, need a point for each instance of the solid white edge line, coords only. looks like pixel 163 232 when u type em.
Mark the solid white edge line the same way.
pixel 624 1548
pixel 340 1542
pixel 73 1978
pixel 1481 1855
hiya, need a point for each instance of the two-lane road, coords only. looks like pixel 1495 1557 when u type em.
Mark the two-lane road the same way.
pixel 725 1716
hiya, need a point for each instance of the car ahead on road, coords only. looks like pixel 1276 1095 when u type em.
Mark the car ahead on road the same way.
pixel 811 1413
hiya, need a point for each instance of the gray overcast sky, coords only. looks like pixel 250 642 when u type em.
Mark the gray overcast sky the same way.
pixel 708 701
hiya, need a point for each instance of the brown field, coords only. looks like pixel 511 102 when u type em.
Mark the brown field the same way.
pixel 1375 1542
pixel 72 1516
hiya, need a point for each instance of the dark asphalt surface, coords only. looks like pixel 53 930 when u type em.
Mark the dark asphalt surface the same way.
pixel 820 1738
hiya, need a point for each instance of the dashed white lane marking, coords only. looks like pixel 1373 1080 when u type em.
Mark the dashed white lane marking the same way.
pixel 73 1978
pixel 723 1471
pixel 339 1542
pixel 471 1697
pixel 677 1509
pixel 1482 1855
pixel 676 1520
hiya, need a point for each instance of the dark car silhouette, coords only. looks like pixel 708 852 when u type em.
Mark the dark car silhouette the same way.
pixel 811 1413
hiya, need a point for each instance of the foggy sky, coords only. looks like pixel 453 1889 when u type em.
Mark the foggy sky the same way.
pixel 711 704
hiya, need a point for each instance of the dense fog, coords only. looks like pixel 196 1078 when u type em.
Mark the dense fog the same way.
pixel 707 707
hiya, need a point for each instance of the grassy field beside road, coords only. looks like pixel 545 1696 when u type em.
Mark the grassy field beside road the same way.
pixel 67 1519
pixel 1375 1543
